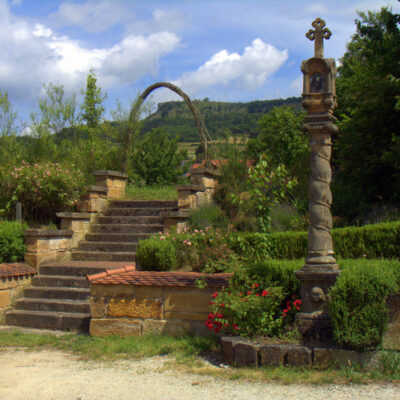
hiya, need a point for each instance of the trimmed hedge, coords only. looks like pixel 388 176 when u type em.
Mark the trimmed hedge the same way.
pixel 371 241
pixel 357 308
pixel 156 255
pixel 12 245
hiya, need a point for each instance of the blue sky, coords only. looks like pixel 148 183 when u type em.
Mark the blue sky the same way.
pixel 228 50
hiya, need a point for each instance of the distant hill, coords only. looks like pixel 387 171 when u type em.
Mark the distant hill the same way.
pixel 220 118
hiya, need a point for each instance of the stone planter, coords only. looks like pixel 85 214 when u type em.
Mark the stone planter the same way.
pixel 46 245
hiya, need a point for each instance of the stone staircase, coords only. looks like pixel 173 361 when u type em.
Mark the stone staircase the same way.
pixel 58 297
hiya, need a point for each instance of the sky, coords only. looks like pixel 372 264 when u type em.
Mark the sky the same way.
pixel 225 50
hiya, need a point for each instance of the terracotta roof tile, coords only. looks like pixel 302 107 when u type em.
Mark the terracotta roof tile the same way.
pixel 17 269
pixel 125 276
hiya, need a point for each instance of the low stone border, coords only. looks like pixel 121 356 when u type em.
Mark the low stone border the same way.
pixel 78 222
pixel 240 352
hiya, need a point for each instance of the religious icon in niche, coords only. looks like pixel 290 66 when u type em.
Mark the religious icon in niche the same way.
pixel 317 83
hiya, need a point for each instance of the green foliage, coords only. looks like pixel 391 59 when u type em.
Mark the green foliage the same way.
pixel 156 254
pixel 153 192
pixel 12 245
pixel 92 107
pixel 249 311
pixel 156 159
pixel 367 146
pixel 43 189
pixel 358 304
pixel 282 139
pixel 269 273
pixel 207 216
pixel 267 186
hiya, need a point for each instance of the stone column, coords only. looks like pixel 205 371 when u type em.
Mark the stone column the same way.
pixel 320 269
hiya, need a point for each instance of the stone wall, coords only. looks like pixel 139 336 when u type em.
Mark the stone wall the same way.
pixel 135 310
pixel 13 279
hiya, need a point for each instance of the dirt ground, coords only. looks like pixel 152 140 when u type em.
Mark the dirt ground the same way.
pixel 56 375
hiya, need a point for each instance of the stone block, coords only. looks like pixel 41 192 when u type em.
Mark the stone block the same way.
pixel 15 294
pixel 135 308
pixel 187 316
pixel 325 357
pixel 186 299
pixel 115 326
pixel 227 346
pixel 171 327
pixel 98 307
pixel 274 355
pixel 5 298
pixel 245 355
pixel 150 292
pixel 299 356
pixel 115 193
pixel 111 291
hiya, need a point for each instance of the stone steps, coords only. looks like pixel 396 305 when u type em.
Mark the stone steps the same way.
pixel 136 212
pixel 127 228
pixel 78 255
pixel 58 297
pixel 60 281
pixel 49 320
pixel 116 237
pixel 134 220
pixel 107 246
pixel 58 305
pixel 56 293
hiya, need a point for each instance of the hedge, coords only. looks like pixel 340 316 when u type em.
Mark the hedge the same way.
pixel 12 246
pixel 370 241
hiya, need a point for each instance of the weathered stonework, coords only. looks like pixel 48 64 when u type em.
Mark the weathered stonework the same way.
pixel 171 310
pixel 78 223
pixel 320 270
pixel 95 200
pixel 44 245
pixel 113 181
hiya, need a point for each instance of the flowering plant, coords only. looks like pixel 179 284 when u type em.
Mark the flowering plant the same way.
pixel 43 189
pixel 254 310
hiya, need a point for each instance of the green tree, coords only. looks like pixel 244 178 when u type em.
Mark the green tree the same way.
pixel 282 139
pixel 9 146
pixel 367 148
pixel 92 107
pixel 156 159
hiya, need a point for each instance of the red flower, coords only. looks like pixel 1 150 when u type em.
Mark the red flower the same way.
pixel 210 316
pixel 214 295
pixel 240 294
pixel 257 295
pixel 235 327
pixel 264 293
pixel 249 292
pixel 219 315
pixel 222 305
pixel 256 285
pixel 226 324
pixel 211 303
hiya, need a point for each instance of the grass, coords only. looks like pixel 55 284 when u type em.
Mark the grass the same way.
pixel 185 355
pixel 151 193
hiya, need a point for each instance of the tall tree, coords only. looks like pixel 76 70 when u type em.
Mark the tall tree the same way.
pixel 367 148
pixel 92 107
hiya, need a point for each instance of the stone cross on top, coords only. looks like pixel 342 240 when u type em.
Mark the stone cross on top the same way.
pixel 319 34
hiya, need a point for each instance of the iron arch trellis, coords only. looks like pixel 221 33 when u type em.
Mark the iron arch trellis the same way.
pixel 201 128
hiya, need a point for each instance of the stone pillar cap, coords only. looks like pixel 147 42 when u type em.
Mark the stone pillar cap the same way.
pixel 117 174
pixel 48 232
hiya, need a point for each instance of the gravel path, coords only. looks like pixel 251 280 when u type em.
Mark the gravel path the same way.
pixel 55 375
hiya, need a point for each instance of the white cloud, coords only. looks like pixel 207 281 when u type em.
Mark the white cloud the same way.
pixel 247 71
pixel 297 85
pixel 33 54
pixel 93 16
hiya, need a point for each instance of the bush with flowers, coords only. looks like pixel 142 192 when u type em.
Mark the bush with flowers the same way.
pixel 252 310
pixel 43 189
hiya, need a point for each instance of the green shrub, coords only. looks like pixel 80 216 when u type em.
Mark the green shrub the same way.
pixel 43 189
pixel 208 216
pixel 156 254
pixel 12 246
pixel 370 241
pixel 254 310
pixel 357 307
